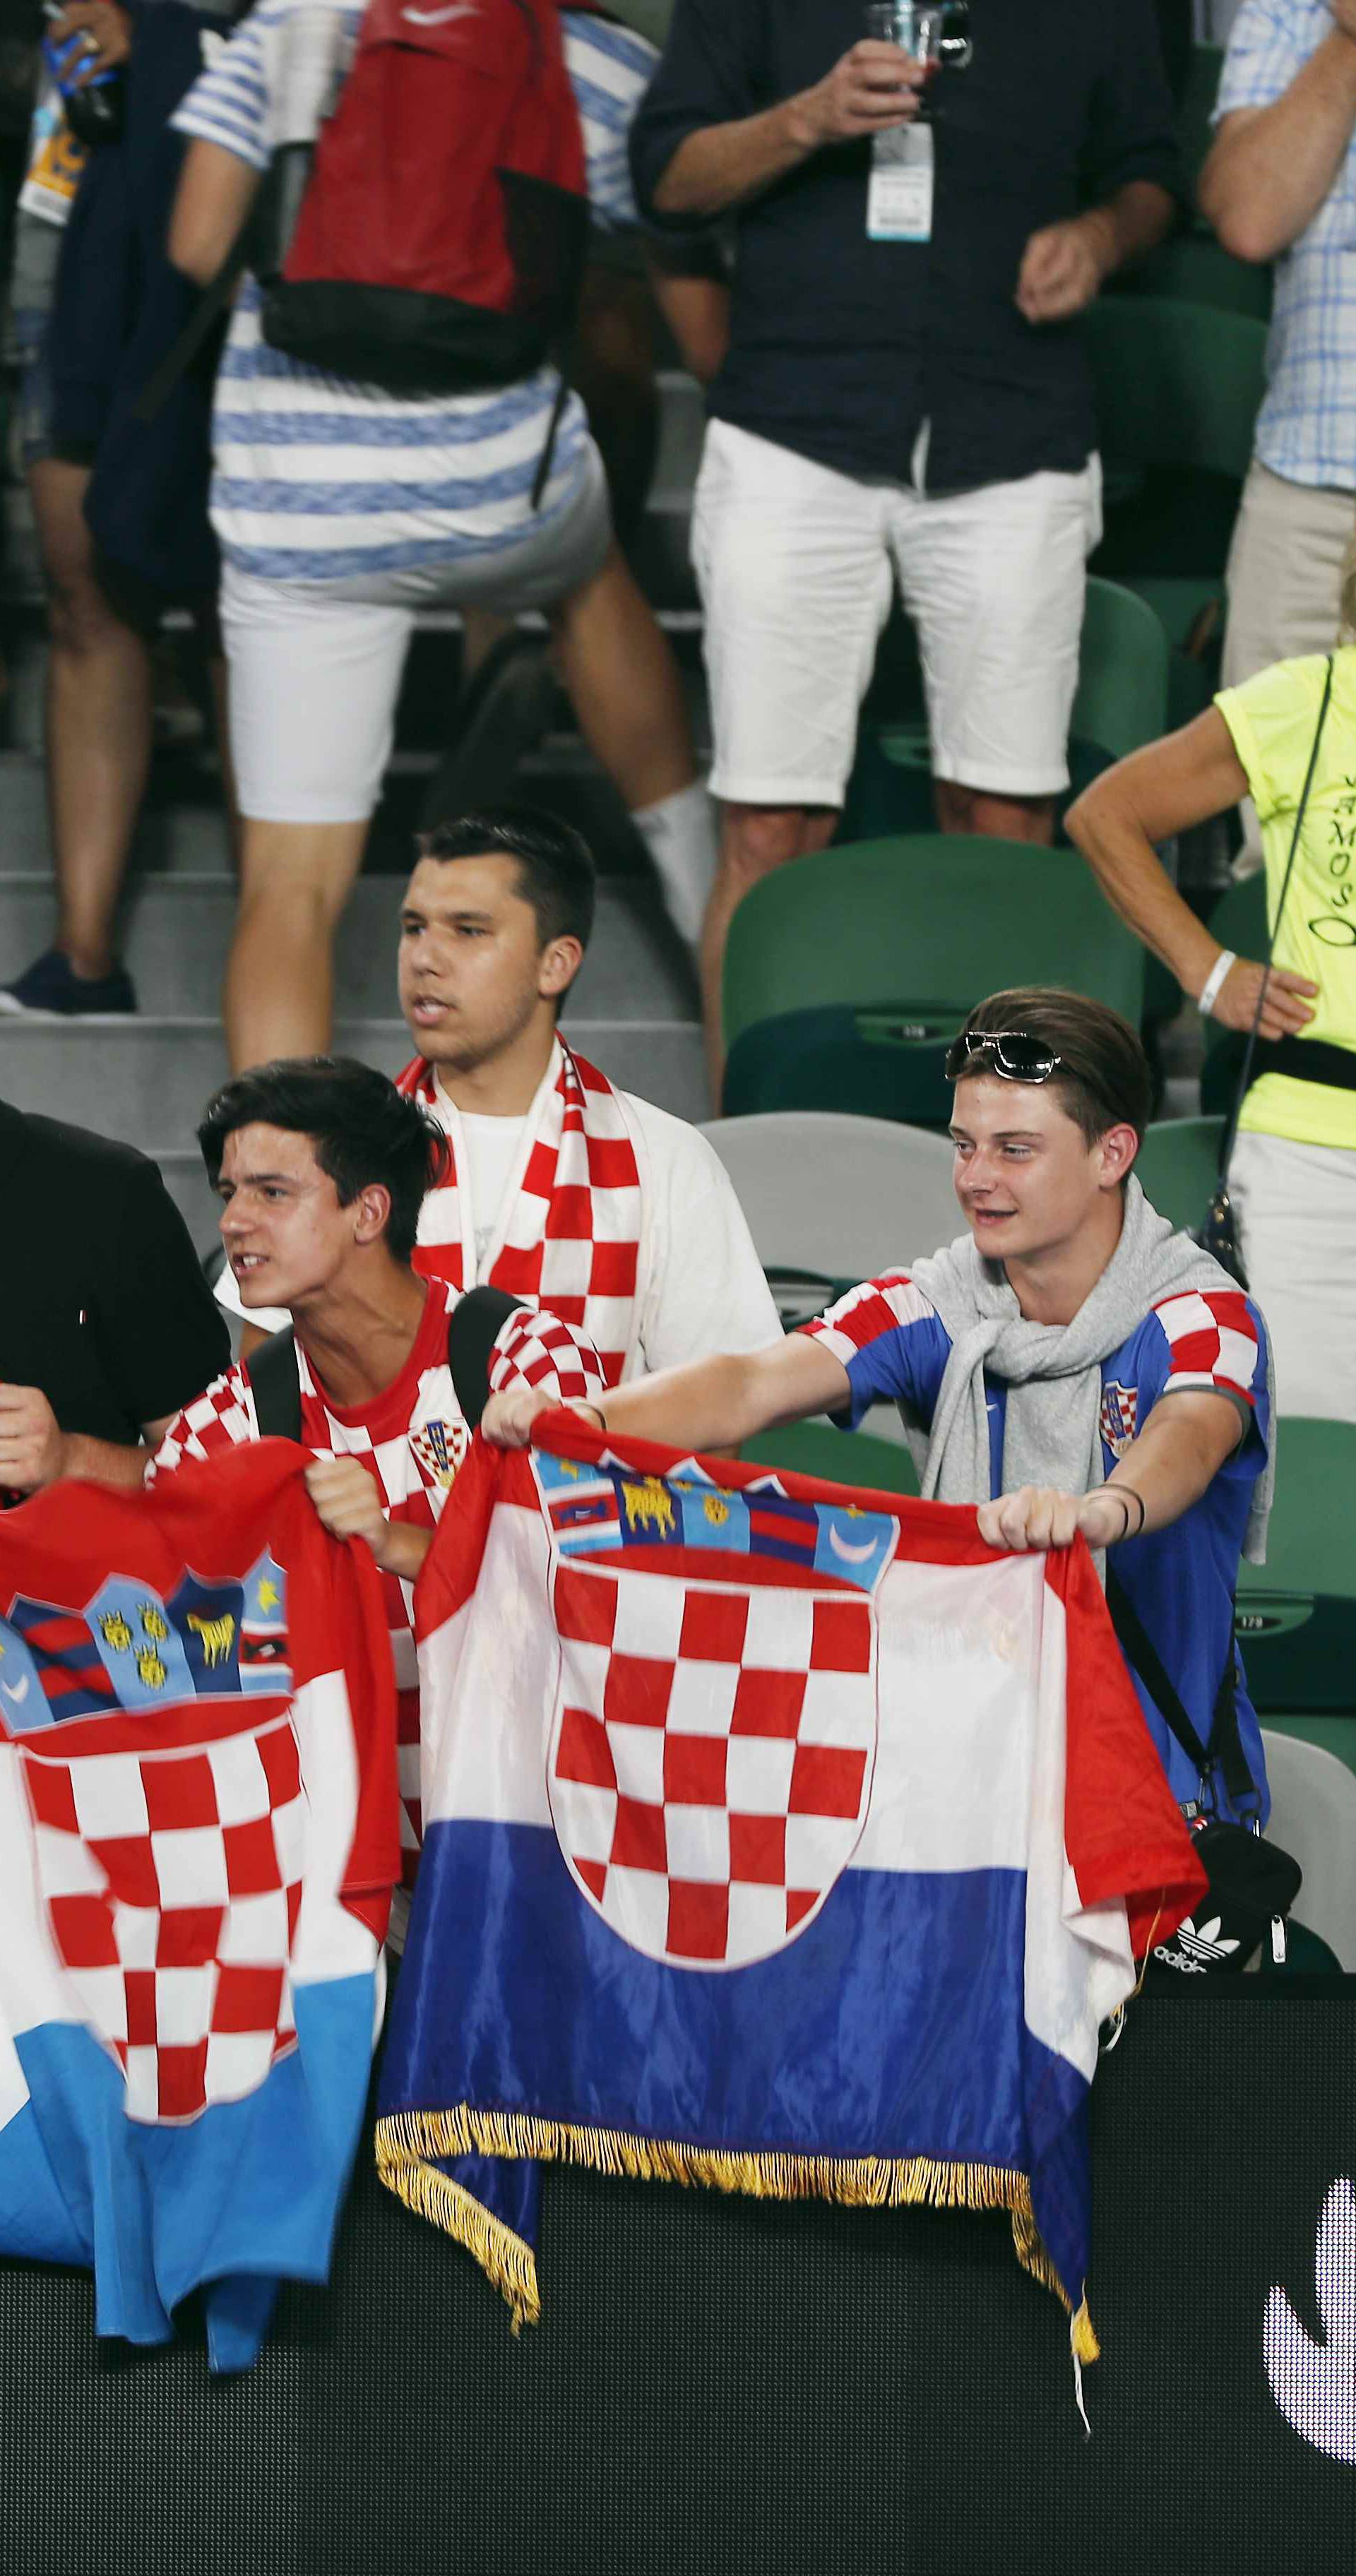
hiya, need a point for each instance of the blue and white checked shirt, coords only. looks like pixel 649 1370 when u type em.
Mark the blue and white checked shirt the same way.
pixel 1306 428
pixel 319 479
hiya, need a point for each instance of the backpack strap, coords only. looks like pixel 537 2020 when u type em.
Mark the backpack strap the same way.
pixel 1225 1748
pixel 473 1328
pixel 275 1381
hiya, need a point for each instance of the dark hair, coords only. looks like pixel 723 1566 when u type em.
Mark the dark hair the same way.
pixel 556 874
pixel 1103 1079
pixel 361 1127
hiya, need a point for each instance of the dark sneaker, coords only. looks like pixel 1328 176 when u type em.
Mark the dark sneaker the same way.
pixel 51 987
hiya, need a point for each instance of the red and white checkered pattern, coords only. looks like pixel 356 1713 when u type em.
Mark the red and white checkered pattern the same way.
pixel 711 1756
pixel 172 1883
pixel 572 1243
pixel 1213 1341
pixel 878 1306
pixel 532 1349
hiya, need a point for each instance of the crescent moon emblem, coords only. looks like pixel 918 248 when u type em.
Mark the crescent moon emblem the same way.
pixel 850 1555
pixel 17 1692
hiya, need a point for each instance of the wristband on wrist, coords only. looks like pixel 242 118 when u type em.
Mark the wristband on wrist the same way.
pixel 1211 988
pixel 1130 1496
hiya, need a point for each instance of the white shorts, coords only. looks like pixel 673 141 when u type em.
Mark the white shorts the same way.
pixel 315 667
pixel 795 562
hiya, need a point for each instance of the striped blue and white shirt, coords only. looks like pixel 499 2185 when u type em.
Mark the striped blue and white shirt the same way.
pixel 1306 428
pixel 319 479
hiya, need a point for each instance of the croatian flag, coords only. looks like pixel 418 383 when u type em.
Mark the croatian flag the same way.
pixel 199 1834
pixel 777 1836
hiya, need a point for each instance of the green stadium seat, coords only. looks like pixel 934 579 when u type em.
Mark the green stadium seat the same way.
pixel 1296 1615
pixel 1122 702
pixel 1194 268
pixel 1177 1163
pixel 847 973
pixel 843 1458
pixel 1177 388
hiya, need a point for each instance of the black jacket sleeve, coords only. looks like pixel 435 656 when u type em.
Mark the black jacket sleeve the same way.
pixel 161 1335
pixel 712 73
pixel 1132 129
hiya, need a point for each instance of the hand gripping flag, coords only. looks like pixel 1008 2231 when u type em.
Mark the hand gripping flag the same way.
pixel 779 1836
pixel 198 1838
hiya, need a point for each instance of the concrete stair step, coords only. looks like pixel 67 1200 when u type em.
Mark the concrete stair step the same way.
pixel 176 930
pixel 146 1080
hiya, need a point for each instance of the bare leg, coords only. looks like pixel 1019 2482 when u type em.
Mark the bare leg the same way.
pixel 620 670
pixel 294 883
pixel 1001 818
pixel 98 723
pixel 754 839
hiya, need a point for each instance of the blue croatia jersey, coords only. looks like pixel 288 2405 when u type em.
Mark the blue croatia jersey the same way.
pixel 1180 1580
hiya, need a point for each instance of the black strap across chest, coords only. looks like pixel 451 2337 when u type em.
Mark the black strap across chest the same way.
pixel 473 1328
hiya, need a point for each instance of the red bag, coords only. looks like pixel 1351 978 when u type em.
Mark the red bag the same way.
pixel 442 234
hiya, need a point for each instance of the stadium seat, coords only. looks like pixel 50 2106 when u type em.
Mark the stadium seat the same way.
pixel 1296 1615
pixel 1177 389
pixel 843 1458
pixel 1313 1816
pixel 1122 702
pixel 1194 268
pixel 1177 1163
pixel 847 973
pixel 832 1200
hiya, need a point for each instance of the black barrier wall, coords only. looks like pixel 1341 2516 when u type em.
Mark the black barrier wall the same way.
pixel 733 2388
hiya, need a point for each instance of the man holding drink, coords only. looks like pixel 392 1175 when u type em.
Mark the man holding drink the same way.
pixel 903 391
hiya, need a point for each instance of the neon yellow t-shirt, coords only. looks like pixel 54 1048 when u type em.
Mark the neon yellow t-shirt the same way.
pixel 1272 720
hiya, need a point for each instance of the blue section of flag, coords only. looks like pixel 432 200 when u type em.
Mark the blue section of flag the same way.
pixel 265 1604
pixel 24 1703
pixel 233 2202
pixel 855 1546
pixel 892 2027
pixel 712 1517
pixel 206 1617
pixel 781 1528
pixel 649 1511
pixel 70 1669
pixel 139 1650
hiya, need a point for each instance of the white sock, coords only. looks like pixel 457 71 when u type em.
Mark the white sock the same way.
pixel 680 835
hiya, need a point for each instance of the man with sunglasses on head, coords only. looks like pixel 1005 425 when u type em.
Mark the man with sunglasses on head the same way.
pixel 1069 1365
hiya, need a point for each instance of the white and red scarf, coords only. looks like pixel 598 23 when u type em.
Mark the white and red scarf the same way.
pixel 568 1232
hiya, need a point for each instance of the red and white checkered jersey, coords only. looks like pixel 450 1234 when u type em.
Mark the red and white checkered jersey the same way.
pixel 412 1438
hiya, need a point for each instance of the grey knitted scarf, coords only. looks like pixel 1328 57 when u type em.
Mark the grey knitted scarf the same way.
pixel 1052 1371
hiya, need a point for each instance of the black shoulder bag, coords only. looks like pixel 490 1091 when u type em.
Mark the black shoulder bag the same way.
pixel 1253 1884
pixel 1219 1234
pixel 473 1327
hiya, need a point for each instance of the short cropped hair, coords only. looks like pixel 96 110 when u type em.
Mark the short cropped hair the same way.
pixel 1103 1078
pixel 361 1128
pixel 556 874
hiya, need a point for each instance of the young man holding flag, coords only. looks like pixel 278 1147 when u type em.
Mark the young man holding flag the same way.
pixel 322 1168
pixel 1072 1365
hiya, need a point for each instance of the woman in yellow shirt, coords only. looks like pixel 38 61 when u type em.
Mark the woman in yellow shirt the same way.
pixel 1293 1177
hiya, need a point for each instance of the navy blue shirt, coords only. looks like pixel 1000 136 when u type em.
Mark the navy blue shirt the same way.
pixel 842 347
pixel 1181 1579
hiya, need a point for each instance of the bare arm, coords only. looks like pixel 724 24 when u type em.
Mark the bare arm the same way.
pixel 1269 169
pixel 697 311
pixel 1064 265
pixel 1183 1445
pixel 349 1504
pixel 872 89
pixel 1116 822
pixel 707 1404
pixel 216 191
pixel 35 1452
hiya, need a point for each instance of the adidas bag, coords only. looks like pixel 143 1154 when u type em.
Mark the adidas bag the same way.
pixel 441 237
pixel 1253 1885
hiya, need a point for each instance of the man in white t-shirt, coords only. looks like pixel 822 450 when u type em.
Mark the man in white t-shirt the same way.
pixel 617 1217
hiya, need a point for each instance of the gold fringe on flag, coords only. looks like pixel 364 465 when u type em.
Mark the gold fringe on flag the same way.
pixel 409 2145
